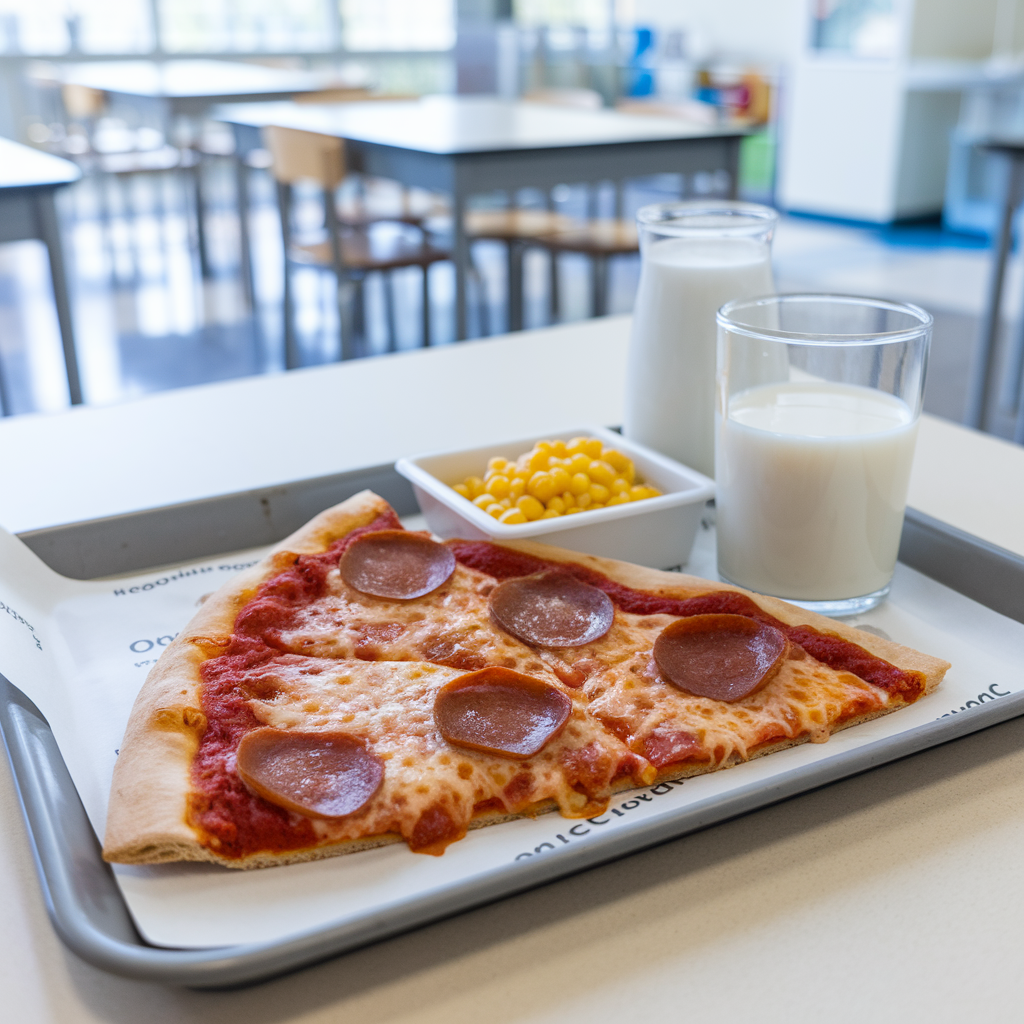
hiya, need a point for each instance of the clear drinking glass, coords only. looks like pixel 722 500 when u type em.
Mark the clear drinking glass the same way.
pixel 695 256
pixel 818 399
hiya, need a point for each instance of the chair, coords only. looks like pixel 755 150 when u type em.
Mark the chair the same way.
pixel 351 251
pixel 598 239
pixel 521 229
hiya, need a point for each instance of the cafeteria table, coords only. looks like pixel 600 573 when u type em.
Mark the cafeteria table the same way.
pixel 188 88
pixel 28 181
pixel 894 895
pixel 466 145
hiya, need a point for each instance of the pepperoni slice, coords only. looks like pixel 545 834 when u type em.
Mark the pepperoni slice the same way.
pixel 552 609
pixel 396 564
pixel 319 774
pixel 724 657
pixel 500 712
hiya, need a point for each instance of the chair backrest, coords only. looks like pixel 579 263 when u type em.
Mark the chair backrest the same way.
pixel 581 99
pixel 82 101
pixel 296 155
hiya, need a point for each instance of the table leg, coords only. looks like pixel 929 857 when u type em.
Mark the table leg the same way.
pixel 984 358
pixel 197 180
pixel 245 241
pixel 460 256
pixel 49 229
pixel 515 285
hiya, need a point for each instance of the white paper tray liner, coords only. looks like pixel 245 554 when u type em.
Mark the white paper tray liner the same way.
pixel 81 650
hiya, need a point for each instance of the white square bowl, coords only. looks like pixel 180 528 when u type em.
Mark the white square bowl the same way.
pixel 656 532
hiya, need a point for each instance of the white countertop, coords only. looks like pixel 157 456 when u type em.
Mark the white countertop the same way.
pixel 893 896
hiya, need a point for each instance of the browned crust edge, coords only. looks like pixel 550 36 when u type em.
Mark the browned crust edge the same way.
pixel 146 818
pixel 146 821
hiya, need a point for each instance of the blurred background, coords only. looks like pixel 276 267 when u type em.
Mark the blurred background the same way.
pixel 869 123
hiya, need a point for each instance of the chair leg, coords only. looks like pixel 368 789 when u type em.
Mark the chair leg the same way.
pixel 554 291
pixel 599 268
pixel 291 348
pixel 389 310
pixel 598 285
pixel 515 286
pixel 481 295
pixel 426 305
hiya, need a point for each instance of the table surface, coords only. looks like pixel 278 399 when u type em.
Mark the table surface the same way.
pixel 453 125
pixel 894 895
pixel 25 167
pixel 189 79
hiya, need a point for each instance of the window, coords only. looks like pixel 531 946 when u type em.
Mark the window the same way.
pixel 398 24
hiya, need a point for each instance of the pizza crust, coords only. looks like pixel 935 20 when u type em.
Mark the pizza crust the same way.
pixel 147 817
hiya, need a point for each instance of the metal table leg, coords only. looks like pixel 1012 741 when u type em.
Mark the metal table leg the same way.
pixel 244 238
pixel 49 231
pixel 460 256
pixel 984 360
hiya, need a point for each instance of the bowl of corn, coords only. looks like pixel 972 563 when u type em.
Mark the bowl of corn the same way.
pixel 588 490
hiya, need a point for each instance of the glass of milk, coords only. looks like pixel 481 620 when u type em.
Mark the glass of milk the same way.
pixel 817 403
pixel 695 256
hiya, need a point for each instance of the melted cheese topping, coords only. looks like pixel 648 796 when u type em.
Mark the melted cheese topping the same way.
pixel 372 666
pixel 432 789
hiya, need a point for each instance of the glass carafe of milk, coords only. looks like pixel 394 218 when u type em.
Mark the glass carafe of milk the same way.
pixel 695 257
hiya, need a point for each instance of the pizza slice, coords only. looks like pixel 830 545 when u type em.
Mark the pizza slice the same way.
pixel 364 685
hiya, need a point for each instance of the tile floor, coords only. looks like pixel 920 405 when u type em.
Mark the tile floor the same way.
pixel 146 320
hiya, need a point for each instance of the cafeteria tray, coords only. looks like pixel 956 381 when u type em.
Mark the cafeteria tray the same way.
pixel 81 894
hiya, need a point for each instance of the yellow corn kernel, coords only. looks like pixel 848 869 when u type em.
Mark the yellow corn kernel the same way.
pixel 579 484
pixel 599 494
pixel 653 492
pixel 550 513
pixel 505 503
pixel 593 447
pixel 495 510
pixel 618 499
pixel 483 500
pixel 556 504
pixel 558 449
pixel 569 498
pixel 498 464
pixel 584 501
pixel 619 486
pixel 572 511
pixel 544 446
pixel 543 486
pixel 512 516
pixel 629 473
pixel 537 461
pixel 616 459
pixel 498 485
pixel 475 485
pixel 578 445
pixel 463 490
pixel 516 488
pixel 600 472
pixel 530 507
pixel 579 463
pixel 561 477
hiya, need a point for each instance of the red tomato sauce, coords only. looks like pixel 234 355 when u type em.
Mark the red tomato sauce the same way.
pixel 234 822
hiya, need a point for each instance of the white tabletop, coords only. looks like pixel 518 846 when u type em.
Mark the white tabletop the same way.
pixel 468 124
pixel 25 167
pixel 189 79
pixel 893 896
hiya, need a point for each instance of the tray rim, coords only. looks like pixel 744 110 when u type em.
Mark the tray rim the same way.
pixel 89 914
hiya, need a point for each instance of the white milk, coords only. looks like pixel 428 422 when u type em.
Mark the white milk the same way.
pixel 670 391
pixel 812 484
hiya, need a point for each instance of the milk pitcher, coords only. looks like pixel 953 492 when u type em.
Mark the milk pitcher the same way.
pixel 695 257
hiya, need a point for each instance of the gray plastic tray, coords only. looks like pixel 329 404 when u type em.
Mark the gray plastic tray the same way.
pixel 82 897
